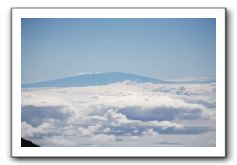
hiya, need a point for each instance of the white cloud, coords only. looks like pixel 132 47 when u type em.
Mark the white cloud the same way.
pixel 84 132
pixel 150 132
pixel 120 114
pixel 104 138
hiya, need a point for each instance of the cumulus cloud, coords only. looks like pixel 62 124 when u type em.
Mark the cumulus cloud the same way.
pixel 104 137
pixel 150 132
pixel 120 114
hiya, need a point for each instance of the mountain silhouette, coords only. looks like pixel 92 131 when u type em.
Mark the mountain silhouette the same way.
pixel 27 143
pixel 93 80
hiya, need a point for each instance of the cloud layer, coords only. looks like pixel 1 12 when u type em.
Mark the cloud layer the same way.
pixel 121 114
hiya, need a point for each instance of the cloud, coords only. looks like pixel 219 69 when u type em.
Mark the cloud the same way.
pixel 35 132
pixel 35 115
pixel 120 114
pixel 150 132
pixel 103 137
pixel 169 143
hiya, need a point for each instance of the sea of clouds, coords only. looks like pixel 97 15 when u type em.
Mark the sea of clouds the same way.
pixel 121 114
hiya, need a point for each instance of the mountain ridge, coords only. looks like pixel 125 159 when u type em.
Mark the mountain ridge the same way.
pixel 106 78
pixel 93 80
pixel 27 143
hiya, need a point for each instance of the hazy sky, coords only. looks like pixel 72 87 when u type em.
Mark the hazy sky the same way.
pixel 158 48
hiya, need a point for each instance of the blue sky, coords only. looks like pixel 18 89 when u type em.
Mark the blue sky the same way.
pixel 158 48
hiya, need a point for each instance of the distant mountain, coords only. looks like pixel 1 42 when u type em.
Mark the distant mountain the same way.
pixel 27 143
pixel 109 78
pixel 93 80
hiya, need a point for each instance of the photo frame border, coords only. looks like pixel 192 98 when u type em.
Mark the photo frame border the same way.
pixel 13 148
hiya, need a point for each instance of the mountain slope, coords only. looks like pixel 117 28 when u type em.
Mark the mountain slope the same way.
pixel 27 143
pixel 93 80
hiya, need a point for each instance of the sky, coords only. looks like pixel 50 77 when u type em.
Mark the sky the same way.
pixel 158 48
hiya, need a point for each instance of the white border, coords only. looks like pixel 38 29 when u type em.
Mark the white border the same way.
pixel 218 151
